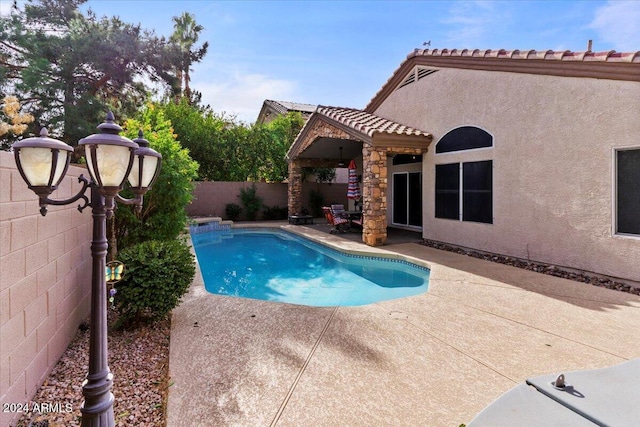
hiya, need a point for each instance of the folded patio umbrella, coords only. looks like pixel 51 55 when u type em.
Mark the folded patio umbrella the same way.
pixel 353 189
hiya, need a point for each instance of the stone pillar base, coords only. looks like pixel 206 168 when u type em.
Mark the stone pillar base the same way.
pixel 294 202
pixel 374 195
pixel 374 239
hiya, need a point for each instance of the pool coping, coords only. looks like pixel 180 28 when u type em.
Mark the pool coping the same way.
pixel 320 237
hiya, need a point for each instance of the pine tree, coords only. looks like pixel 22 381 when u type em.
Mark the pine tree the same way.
pixel 69 68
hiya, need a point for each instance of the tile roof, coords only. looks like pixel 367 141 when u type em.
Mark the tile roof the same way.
pixel 547 55
pixel 367 123
pixel 610 65
pixel 362 125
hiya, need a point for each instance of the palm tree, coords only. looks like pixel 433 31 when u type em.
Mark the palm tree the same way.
pixel 185 34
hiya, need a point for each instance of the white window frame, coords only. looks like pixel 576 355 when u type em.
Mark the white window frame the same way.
pixel 407 172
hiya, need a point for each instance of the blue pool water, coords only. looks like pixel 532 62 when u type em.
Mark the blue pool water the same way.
pixel 274 265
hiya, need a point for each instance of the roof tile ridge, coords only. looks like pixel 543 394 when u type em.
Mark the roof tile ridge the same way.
pixel 293 103
pixel 439 52
pixel 553 55
pixel 559 55
pixel 272 102
pixel 414 53
pixel 601 56
pixel 525 54
pixel 575 56
pixel 300 103
pixel 502 54
pixel 539 54
pixel 629 56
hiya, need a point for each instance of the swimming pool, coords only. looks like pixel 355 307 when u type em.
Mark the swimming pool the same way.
pixel 275 265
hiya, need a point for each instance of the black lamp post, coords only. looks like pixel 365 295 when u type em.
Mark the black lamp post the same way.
pixel 111 160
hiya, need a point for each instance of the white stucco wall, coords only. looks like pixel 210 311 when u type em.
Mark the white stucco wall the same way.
pixel 554 140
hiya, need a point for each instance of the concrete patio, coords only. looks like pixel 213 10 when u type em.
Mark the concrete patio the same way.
pixel 431 360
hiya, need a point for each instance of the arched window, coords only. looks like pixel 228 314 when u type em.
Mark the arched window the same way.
pixel 464 138
pixel 464 189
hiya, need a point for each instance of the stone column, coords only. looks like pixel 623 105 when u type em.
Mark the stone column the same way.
pixel 295 187
pixel 374 192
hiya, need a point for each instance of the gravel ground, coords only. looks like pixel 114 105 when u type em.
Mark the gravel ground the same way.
pixel 139 361
pixel 552 270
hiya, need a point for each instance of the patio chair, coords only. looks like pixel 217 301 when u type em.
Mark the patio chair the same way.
pixel 339 212
pixel 340 225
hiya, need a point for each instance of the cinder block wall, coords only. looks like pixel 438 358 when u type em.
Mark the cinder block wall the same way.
pixel 211 198
pixel 45 282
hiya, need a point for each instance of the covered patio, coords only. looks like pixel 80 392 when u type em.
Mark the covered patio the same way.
pixel 335 134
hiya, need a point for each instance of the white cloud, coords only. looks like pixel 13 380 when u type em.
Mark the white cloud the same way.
pixel 242 94
pixel 471 23
pixel 618 23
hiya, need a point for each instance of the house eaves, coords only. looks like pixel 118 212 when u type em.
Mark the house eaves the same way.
pixel 610 65
pixel 361 126
pixel 366 123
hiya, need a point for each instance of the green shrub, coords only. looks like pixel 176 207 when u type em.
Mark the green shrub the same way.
pixel 157 274
pixel 251 202
pixel 232 211
pixel 163 216
pixel 275 212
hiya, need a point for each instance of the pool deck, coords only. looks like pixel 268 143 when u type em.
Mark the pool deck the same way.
pixel 435 359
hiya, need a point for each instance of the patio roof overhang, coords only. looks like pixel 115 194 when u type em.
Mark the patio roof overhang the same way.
pixel 358 133
pixel 330 128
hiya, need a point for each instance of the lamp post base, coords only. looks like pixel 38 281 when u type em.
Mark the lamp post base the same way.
pixel 101 413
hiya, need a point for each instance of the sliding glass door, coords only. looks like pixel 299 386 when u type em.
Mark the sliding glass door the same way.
pixel 407 199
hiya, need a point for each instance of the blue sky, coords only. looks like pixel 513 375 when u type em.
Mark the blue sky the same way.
pixel 340 53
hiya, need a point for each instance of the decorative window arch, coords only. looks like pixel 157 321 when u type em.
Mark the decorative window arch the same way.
pixel 464 138
pixel 464 189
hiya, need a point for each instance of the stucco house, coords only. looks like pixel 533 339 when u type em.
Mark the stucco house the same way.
pixel 529 154
pixel 272 109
